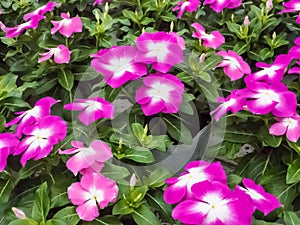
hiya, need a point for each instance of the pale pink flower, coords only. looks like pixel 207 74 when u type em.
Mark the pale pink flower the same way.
pixel 19 213
pixel 67 26
pixel 274 98
pixel 246 21
pixel 261 200
pixel 17 30
pixel 8 143
pixel 26 118
pixel 213 40
pixel 269 4
pixel 118 65
pixel 160 93
pixel 92 109
pixel 61 55
pixel 87 159
pixel 189 6
pixel 92 190
pixel 234 65
pixel 215 204
pixel 160 49
pixel 235 102
pixel 40 138
pixel 196 172
pixel 41 10
pixel 289 125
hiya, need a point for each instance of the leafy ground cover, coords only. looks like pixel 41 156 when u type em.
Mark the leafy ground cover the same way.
pixel 149 112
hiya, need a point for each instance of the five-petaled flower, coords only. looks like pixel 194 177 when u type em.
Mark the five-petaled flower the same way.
pixel 67 26
pixel 93 188
pixel 61 54
pixel 160 93
pixel 92 109
pixel 218 5
pixel 87 159
pixel 213 40
pixel 41 10
pixel 189 6
pixel 8 143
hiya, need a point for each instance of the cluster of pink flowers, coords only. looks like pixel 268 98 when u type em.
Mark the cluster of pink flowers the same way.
pixel 264 92
pixel 192 5
pixel 203 197
pixel 36 132
pixel 162 50
pixel 93 187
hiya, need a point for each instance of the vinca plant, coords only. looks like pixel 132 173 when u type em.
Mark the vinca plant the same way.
pixel 149 112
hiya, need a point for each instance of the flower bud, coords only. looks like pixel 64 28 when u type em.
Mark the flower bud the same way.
pixel 19 213
pixel 202 57
pixel 269 5
pixel 246 21
pixel 171 26
pixel 132 181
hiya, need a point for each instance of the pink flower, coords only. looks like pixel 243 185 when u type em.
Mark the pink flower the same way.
pixel 213 40
pixel 97 2
pixel 234 102
pixel 17 30
pixel 87 159
pixel 289 125
pixel 179 39
pixel 8 142
pixel 234 65
pixel 196 172
pixel 215 204
pixel 218 6
pixel 291 6
pixel 92 189
pixel 61 54
pixel 295 70
pixel 67 26
pixel 271 72
pixel 41 10
pixel 40 138
pixel 262 200
pixel 294 52
pixel 161 49
pixel 268 98
pixel 26 118
pixel 189 6
pixel 160 93
pixel 92 109
pixel 118 65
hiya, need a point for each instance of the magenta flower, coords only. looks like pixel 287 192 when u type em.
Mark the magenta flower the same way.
pixel 271 72
pixel 26 118
pixel 291 6
pixel 41 10
pixel 97 2
pixel 40 138
pixel 160 49
pixel 295 70
pixel 218 6
pixel 118 65
pixel 92 189
pixel 267 98
pixel 294 52
pixel 160 93
pixel 8 142
pixel 92 109
pixel 289 125
pixel 213 40
pixel 234 102
pixel 196 172
pixel 87 159
pixel 67 26
pixel 262 200
pixel 61 54
pixel 189 6
pixel 179 39
pixel 17 30
pixel 215 204
pixel 234 65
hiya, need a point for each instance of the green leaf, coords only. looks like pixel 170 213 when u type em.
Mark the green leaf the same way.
pixel 115 172
pixel 233 180
pixel 138 130
pixel 241 47
pixel 210 62
pixel 204 76
pixel 41 204
pixel 105 220
pixel 261 222
pixel 23 222
pixel 139 154
pixel 293 173
pixel 66 79
pixel 130 15
pixel 68 215
pixel 291 218
pixel 122 208
pixel 157 178
pixel 268 139
pixel 295 146
pixel 178 131
pixel 56 222
pixel 161 143
pixel 14 104
pixel 6 187
pixel 144 216
pixel 235 28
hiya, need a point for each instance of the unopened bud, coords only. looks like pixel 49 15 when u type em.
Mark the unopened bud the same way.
pixel 97 16
pixel 232 17
pixel 171 26
pixel 269 4
pixel 274 35
pixel 246 21
pixel 19 213
pixel 202 57
pixel 143 30
pixel 132 181
pixel 106 7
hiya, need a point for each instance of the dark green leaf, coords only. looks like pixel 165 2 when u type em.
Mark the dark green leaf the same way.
pixel 144 216
pixel 41 204
pixel 293 173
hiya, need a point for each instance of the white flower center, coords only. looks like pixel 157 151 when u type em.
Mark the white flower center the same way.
pixel 290 122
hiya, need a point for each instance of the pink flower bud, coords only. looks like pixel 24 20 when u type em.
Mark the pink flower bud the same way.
pixel 19 213
pixel 246 21
pixel 269 4
pixel 133 180
pixel 202 57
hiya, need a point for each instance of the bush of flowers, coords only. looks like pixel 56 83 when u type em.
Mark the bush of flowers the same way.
pixel 149 112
